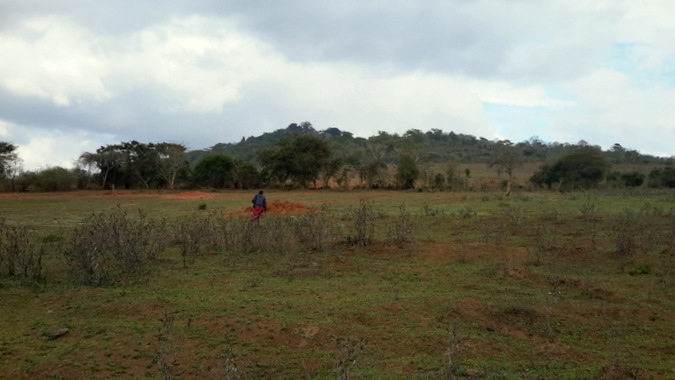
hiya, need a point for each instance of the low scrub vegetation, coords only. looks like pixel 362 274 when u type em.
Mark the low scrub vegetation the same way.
pixel 111 247
pixel 374 285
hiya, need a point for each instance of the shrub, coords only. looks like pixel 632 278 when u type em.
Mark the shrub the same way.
pixel 19 254
pixel 111 247
pixel 401 231
pixel 432 211
pixel 270 235
pixel 313 230
pixel 633 179
pixel 364 223
pixel 661 177
pixel 347 353
pixel 193 234
pixel 583 168
pixel 626 230
pixel 466 212
pixel 640 269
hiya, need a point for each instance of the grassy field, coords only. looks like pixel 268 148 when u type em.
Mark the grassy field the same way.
pixel 361 285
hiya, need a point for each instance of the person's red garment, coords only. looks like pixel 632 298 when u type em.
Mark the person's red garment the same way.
pixel 257 211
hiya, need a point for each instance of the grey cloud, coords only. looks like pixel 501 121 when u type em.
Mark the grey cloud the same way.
pixel 475 38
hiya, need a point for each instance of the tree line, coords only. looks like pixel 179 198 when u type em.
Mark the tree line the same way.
pixel 300 156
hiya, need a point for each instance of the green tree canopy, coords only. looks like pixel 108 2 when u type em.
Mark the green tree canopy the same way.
pixel 506 158
pixel 662 177
pixel 298 157
pixel 128 164
pixel 245 175
pixel 214 171
pixel 585 167
pixel 172 160
pixel 8 157
pixel 407 172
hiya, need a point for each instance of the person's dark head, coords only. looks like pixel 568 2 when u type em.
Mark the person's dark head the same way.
pixel 260 192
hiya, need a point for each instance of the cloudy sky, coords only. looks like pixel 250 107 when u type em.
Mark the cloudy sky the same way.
pixel 79 74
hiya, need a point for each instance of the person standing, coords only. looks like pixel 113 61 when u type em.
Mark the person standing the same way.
pixel 259 205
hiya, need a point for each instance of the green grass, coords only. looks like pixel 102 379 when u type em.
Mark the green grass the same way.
pixel 534 300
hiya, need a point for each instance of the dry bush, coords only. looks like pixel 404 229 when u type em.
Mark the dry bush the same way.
pixel 627 227
pixel 588 210
pixel 428 210
pixel 401 231
pixel 112 247
pixel 271 234
pixel 195 234
pixel 363 219
pixel 19 254
pixel 512 217
pixel 314 230
pixel 170 341
pixel 347 353
pixel 489 230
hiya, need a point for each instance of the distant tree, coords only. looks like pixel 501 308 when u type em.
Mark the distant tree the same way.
pixel 662 177
pixel 172 159
pixel 584 167
pixel 331 169
pixel 407 172
pixel 632 179
pixel 298 157
pixel 332 132
pixel 453 177
pixel 506 158
pixel 52 179
pixel 414 144
pixel 438 181
pixel 8 157
pixel 142 161
pixel 215 171
pixel 107 159
pixel 245 175
pixel 371 159
pixel 304 127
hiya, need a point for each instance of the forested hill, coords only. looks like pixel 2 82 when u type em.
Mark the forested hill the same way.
pixel 434 146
